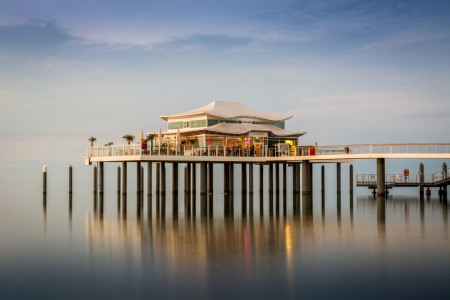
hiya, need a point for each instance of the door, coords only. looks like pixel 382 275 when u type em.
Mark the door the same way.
pixel 259 149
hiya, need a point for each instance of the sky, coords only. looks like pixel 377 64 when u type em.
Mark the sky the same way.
pixel 349 71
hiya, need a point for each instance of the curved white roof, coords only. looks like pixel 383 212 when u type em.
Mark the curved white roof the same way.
pixel 229 110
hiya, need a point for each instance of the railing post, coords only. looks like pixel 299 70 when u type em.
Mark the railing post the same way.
pixel 159 150
pixel 209 150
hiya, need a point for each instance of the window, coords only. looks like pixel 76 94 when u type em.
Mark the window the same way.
pixel 175 125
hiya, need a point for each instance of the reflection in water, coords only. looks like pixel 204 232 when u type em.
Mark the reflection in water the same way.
pixel 381 217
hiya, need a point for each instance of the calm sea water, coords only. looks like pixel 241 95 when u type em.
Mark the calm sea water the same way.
pixel 356 247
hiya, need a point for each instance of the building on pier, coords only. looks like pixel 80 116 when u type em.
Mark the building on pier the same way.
pixel 230 125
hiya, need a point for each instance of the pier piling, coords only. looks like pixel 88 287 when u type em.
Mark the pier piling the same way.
pixel 141 188
pixel 124 179
pixel 94 180
pixel 351 178
pixel 138 178
pixel 203 179
pixel 311 177
pixel 421 177
pixel 100 184
pixel 210 178
pixel 194 178
pixel 250 178
pixel 338 178
pixel 284 178
pixel 277 179
pixel 149 178
pixel 163 178
pixel 70 179
pixel 157 179
pixel 174 178
pixel 118 187
pixel 231 183
pixel 270 178
pixel 44 179
pixel 444 171
pixel 381 177
pixel 261 178
pixel 243 178
pixel 322 177
pixel 306 177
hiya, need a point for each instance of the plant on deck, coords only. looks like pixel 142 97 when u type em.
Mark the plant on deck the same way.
pixel 109 144
pixel 92 140
pixel 129 138
pixel 150 138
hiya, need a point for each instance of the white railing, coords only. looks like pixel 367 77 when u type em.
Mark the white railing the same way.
pixel 370 179
pixel 188 150
pixel 421 148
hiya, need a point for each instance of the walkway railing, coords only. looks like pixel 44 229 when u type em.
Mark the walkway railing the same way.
pixel 391 179
pixel 423 148
pixel 186 150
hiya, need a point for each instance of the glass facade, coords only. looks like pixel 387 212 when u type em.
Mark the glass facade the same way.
pixel 208 123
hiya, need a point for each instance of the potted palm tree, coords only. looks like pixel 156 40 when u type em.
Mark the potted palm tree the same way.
pixel 108 145
pixel 92 140
pixel 129 138
pixel 150 138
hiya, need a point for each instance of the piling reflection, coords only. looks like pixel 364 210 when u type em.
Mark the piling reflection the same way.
pixel 381 217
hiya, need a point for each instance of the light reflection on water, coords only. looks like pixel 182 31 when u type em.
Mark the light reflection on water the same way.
pixel 283 246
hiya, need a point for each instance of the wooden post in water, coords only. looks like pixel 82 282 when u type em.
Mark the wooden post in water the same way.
pixel 174 178
pixel 149 178
pixel 277 178
pixel 188 189
pixel 284 178
pixel 351 178
pixel 381 180
pixel 210 178
pixel 421 177
pixel 163 178
pixel 243 178
pixel 124 178
pixel 203 180
pixel 294 178
pixel 226 178
pixel 297 178
pixel 194 178
pixel 231 183
pixel 70 179
pixel 95 180
pixel 261 178
pixel 44 180
pixel 311 177
pixel 158 176
pixel 250 178
pixel 118 187
pixel 306 177
pixel 100 192
pixel 141 189
pixel 338 178
pixel 138 178
pixel 322 175
pixel 270 178
pixel 444 173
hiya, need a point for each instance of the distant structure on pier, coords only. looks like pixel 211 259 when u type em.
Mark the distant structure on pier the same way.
pixel 229 124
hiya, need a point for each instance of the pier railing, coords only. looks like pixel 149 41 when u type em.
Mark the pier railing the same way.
pixel 187 150
pixel 391 179
pixel 411 148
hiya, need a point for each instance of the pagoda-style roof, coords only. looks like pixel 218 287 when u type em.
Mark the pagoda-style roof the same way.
pixel 237 130
pixel 228 110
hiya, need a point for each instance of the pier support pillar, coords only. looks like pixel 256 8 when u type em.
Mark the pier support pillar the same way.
pixel 294 178
pixel 100 184
pixel 297 178
pixel 185 180
pixel 149 178
pixel 225 178
pixel 270 178
pixel 381 177
pixel 243 178
pixel 188 183
pixel 444 171
pixel 44 180
pixel 203 179
pixel 261 178
pixel 141 189
pixel 118 187
pixel 351 178
pixel 70 179
pixel 194 178
pixel 124 178
pixel 284 178
pixel 157 179
pixel 138 178
pixel 322 178
pixel 250 178
pixel 338 178
pixel 231 183
pixel 163 178
pixel 174 178
pixel 210 178
pixel 277 178
pixel 95 180
pixel 311 177
pixel 306 177
pixel 421 177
